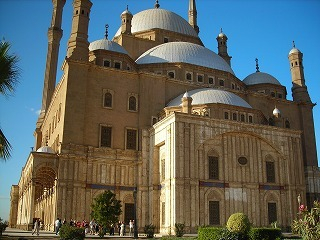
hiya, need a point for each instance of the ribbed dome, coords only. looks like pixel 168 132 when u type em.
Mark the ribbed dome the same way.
pixel 45 149
pixel 160 18
pixel 107 45
pixel 210 95
pixel 184 52
pixel 260 78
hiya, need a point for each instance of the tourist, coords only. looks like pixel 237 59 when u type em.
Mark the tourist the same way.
pixel 57 225
pixel 122 229
pixel 131 227
pixel 119 227
pixel 111 230
pixel 36 227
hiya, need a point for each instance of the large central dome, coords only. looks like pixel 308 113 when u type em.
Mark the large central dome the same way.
pixel 184 52
pixel 160 18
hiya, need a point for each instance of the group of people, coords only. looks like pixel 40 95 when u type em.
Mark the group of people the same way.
pixel 91 227
pixel 122 228
pixel 37 225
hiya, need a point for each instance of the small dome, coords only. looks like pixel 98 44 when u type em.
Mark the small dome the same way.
pixel 222 35
pixel 294 50
pixel 276 112
pixel 106 44
pixel 184 52
pixel 45 149
pixel 160 18
pixel 126 12
pixel 210 95
pixel 260 78
pixel 186 95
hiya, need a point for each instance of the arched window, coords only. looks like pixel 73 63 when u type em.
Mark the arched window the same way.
pixel 189 76
pixel 171 74
pixel 132 103
pixel 287 124
pixel 271 121
pixel 242 118
pixel 106 63
pixel 108 100
pixel 226 115
pixel 250 119
pixel 200 78
pixel 234 116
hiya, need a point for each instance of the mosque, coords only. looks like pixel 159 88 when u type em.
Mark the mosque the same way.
pixel 163 122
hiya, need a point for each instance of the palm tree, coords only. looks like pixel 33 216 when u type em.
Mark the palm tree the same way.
pixel 9 77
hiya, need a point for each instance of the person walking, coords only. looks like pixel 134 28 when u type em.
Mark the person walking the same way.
pixel 57 225
pixel 131 227
pixel 122 229
pixel 36 227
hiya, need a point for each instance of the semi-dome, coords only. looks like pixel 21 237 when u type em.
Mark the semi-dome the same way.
pixel 106 44
pixel 260 78
pixel 210 95
pixel 159 18
pixel 45 149
pixel 184 52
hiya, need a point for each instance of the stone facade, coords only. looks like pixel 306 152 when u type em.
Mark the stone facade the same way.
pixel 108 125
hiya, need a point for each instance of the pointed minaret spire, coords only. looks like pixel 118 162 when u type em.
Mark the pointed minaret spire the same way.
pixel 193 15
pixel 106 34
pixel 257 65
pixel 293 44
pixel 157 5
pixel 54 37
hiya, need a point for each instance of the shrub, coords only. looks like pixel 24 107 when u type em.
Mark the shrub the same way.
pixel 68 232
pixel 228 235
pixel 212 233
pixel 3 226
pixel 149 230
pixel 265 233
pixel 179 229
pixel 308 223
pixel 239 223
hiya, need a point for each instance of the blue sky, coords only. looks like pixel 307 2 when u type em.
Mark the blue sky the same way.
pixel 256 29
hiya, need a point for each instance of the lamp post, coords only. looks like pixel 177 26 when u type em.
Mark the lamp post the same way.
pixel 135 233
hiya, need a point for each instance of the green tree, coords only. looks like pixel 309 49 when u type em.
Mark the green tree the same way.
pixel 106 209
pixel 9 77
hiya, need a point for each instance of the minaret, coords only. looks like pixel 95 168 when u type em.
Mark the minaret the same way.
pixel 54 37
pixel 193 15
pixel 126 18
pixel 78 45
pixel 305 123
pixel 222 47
pixel 299 88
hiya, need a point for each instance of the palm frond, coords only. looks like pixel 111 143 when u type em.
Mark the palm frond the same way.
pixel 5 147
pixel 9 70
